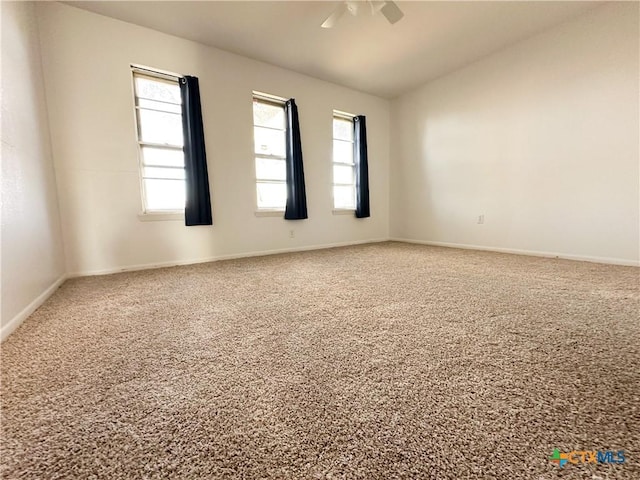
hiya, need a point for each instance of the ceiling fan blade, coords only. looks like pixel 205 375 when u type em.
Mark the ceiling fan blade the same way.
pixel 376 5
pixel 335 16
pixel 353 6
pixel 392 12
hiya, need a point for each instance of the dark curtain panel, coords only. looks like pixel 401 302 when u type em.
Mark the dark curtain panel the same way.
pixel 296 194
pixel 362 167
pixel 198 205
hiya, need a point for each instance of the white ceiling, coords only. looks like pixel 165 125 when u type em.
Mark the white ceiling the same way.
pixel 364 52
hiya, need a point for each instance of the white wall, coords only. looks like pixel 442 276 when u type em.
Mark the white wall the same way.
pixel 86 60
pixel 541 138
pixel 32 252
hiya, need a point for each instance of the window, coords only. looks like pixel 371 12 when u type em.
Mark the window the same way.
pixel 158 107
pixel 269 128
pixel 344 178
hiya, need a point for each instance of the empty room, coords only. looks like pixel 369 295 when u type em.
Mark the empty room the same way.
pixel 320 240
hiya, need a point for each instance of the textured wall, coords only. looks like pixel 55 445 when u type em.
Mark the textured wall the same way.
pixel 32 252
pixel 540 138
pixel 86 61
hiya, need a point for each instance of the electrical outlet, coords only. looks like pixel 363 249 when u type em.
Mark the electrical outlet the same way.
pixel 480 219
pixel 292 233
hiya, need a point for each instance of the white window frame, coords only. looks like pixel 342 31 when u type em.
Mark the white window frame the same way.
pixel 279 102
pixel 337 114
pixel 159 76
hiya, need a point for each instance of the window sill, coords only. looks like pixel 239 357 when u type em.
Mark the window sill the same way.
pixel 160 216
pixel 270 213
pixel 344 211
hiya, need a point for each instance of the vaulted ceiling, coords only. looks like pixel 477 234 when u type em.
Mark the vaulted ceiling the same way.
pixel 363 52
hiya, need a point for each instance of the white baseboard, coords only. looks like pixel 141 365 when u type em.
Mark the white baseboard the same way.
pixel 533 253
pixel 258 253
pixel 16 321
pixel 29 309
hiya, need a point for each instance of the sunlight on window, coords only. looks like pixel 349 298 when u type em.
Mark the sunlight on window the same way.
pixel 272 195
pixel 344 180
pixel 269 148
pixel 163 194
pixel 160 137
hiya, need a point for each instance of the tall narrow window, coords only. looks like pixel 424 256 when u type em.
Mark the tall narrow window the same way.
pixel 160 138
pixel 269 147
pixel 344 179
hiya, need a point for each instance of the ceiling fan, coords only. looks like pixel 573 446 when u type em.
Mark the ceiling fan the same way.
pixel 389 9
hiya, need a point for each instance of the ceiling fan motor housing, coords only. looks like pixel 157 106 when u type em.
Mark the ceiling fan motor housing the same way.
pixel 389 9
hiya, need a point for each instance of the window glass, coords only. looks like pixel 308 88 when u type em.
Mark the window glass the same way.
pixel 160 138
pixel 268 169
pixel 157 89
pixel 343 129
pixel 269 129
pixel 170 173
pixel 162 157
pixel 344 180
pixel 269 141
pixel 161 106
pixel 268 115
pixel 342 151
pixel 160 127
pixel 272 195
pixel 164 194
pixel 344 196
pixel 343 174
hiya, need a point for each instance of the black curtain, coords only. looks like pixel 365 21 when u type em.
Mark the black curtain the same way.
pixel 296 194
pixel 198 205
pixel 362 166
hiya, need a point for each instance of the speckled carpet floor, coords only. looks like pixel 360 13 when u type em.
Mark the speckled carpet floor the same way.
pixel 383 361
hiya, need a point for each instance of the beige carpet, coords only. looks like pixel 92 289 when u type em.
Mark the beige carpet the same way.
pixel 381 361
